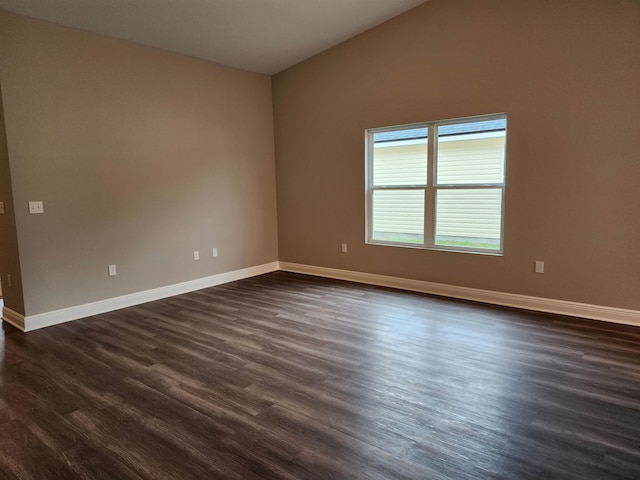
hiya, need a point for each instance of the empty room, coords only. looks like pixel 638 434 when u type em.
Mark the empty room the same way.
pixel 320 239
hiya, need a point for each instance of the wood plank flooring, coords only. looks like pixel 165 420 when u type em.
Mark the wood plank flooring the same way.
pixel 286 376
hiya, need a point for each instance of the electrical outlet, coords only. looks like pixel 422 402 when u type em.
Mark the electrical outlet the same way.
pixel 36 207
pixel 9 282
pixel 196 255
pixel 344 248
pixel 112 271
pixel 1 208
pixel 215 252
pixel 539 267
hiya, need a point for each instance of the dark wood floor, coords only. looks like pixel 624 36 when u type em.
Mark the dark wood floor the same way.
pixel 286 376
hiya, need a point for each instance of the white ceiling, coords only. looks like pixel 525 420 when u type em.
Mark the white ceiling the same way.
pixel 264 36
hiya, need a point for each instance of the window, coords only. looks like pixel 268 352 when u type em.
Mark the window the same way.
pixel 437 185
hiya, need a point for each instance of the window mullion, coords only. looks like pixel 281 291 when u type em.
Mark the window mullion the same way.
pixel 429 191
pixel 369 186
pixel 463 186
pixel 398 187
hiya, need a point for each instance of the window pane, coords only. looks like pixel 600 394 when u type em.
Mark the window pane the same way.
pixel 471 152
pixel 400 157
pixel 469 218
pixel 398 216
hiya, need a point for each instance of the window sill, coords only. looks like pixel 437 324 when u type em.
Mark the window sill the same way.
pixel 439 248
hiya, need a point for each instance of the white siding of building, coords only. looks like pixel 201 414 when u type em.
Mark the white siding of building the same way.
pixel 469 213
pixel 399 211
pixel 474 160
pixel 400 163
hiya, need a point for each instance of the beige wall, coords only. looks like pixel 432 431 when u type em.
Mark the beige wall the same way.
pixel 9 257
pixel 140 156
pixel 568 75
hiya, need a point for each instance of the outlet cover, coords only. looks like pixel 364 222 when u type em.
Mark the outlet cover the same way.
pixel 36 207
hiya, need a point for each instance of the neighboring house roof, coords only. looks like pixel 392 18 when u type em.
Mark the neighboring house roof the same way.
pixel 409 134
pixel 443 130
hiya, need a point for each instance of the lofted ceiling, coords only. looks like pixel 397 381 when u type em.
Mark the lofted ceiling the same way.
pixel 263 36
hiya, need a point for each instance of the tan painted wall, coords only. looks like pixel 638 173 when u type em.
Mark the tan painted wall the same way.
pixel 9 256
pixel 140 156
pixel 568 75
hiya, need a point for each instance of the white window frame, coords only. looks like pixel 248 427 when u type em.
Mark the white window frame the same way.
pixel 431 187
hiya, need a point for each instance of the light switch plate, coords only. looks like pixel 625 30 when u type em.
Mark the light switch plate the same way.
pixel 36 207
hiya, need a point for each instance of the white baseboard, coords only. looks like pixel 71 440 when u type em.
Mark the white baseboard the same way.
pixel 14 318
pixel 562 307
pixel 47 319
pixel 583 310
